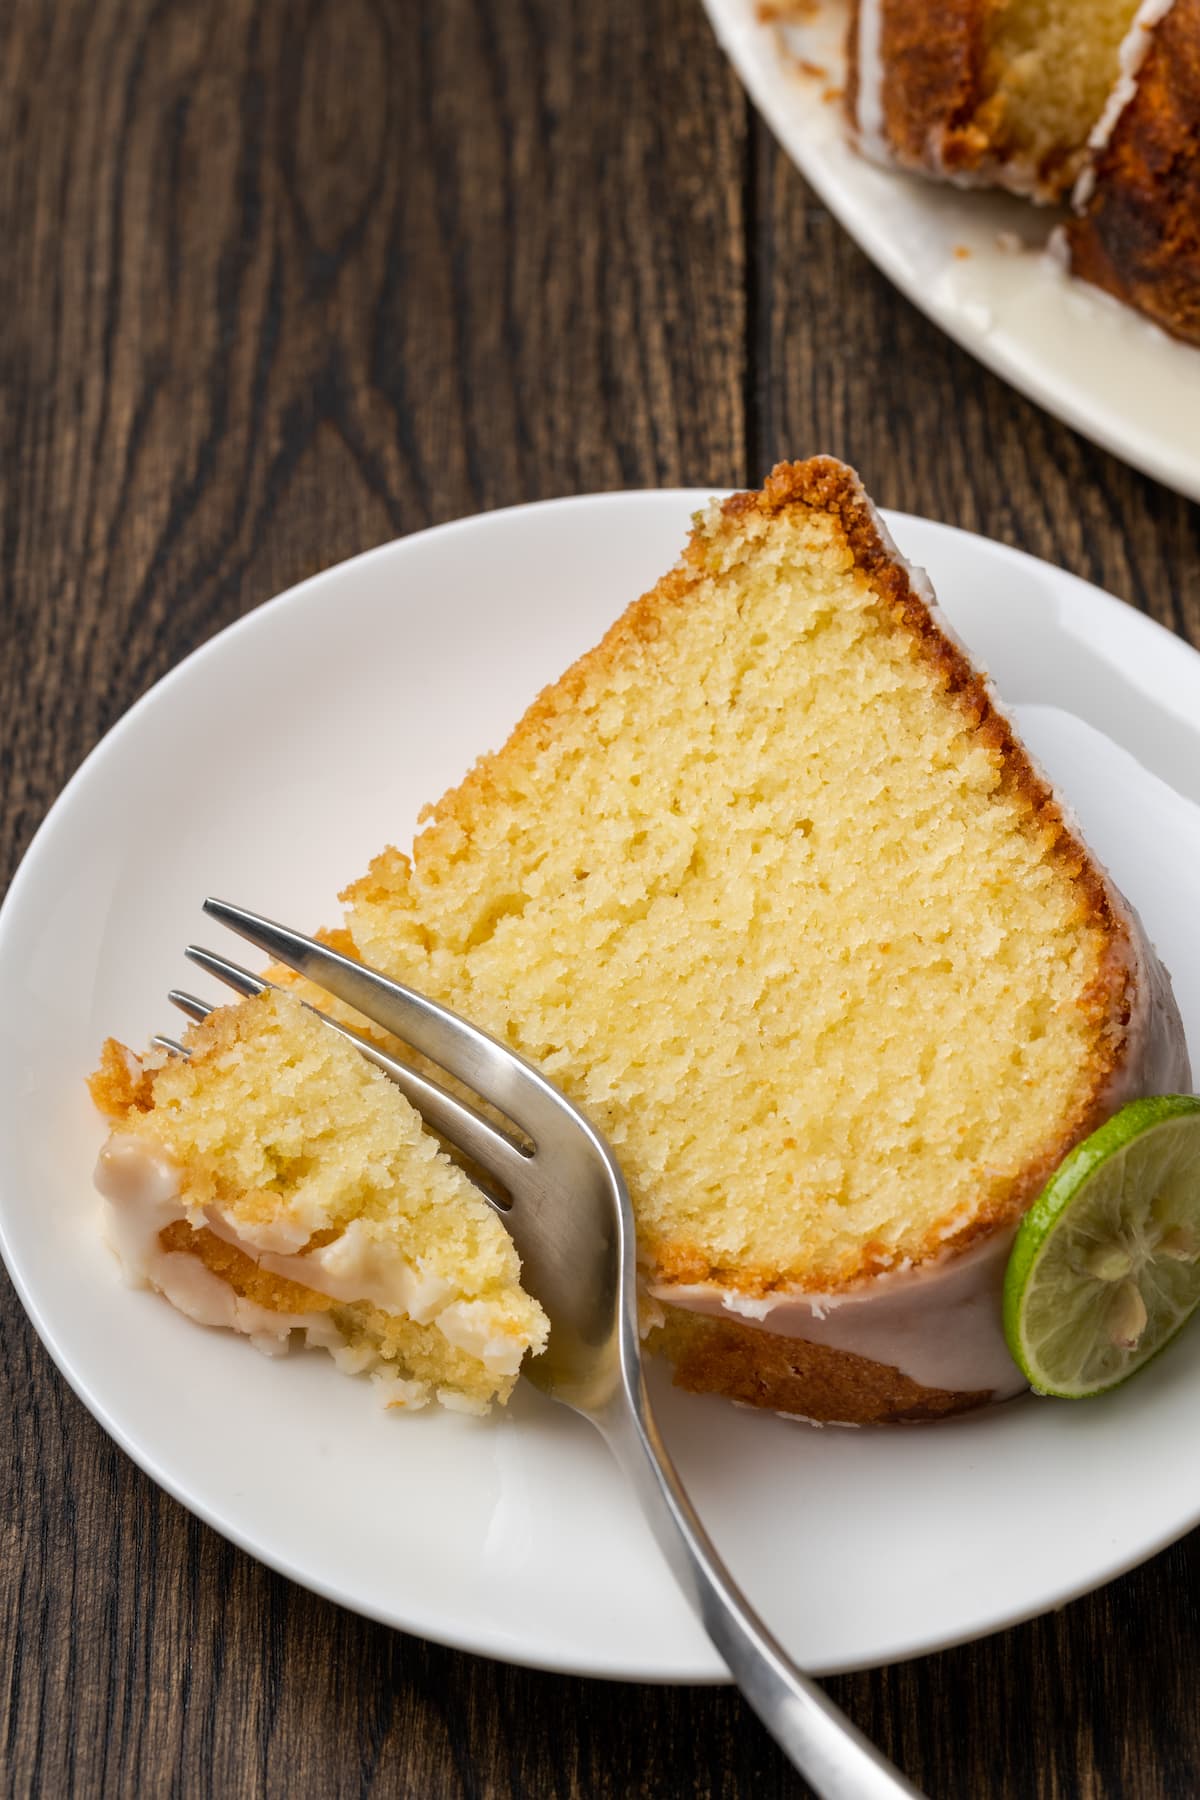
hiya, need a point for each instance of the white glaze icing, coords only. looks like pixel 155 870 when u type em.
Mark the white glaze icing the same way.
pixel 869 115
pixel 1058 249
pixel 1132 54
pixel 143 1196
pixel 355 1266
pixel 392 1390
pixel 938 1324
pixel 142 1192
pixel 286 1233
pixel 475 1326
pixel 450 1401
pixel 1156 1057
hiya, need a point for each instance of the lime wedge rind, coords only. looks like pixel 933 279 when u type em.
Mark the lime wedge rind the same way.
pixel 1105 1268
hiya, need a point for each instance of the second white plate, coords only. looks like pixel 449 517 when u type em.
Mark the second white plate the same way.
pixel 975 262
pixel 269 768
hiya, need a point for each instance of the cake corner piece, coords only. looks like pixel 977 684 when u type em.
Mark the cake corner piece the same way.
pixel 274 1183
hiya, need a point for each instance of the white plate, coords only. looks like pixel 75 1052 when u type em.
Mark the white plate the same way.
pixel 268 768
pixel 1074 350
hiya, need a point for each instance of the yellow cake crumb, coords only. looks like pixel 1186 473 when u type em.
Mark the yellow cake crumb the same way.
pixel 288 1147
pixel 767 890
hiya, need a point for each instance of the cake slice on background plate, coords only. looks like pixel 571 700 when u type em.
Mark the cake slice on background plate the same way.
pixel 768 886
pixel 997 92
pixel 1098 100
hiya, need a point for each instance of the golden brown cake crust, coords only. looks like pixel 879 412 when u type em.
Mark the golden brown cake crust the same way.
pixel 788 1375
pixel 120 1084
pixel 1139 234
pixel 935 83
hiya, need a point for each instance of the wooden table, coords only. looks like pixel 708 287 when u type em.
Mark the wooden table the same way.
pixel 281 281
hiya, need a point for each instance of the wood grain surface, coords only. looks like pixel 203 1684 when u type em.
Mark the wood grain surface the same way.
pixel 282 279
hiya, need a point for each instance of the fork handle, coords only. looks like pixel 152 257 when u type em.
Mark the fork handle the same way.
pixel 818 1739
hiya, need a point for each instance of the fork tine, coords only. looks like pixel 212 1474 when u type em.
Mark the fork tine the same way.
pixel 171 1045
pixel 232 974
pixel 196 1009
pixel 484 1143
pixel 493 1070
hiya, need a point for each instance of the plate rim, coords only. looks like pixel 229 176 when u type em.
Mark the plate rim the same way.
pixel 482 1640
pixel 733 35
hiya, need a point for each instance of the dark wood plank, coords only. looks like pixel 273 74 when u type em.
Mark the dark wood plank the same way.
pixel 286 280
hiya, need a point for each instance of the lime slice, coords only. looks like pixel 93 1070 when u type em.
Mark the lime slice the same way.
pixel 1106 1265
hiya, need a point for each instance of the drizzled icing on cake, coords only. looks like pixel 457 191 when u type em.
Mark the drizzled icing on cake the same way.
pixel 144 1196
pixel 938 1324
pixel 870 117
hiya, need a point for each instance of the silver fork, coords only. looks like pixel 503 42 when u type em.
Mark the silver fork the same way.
pixel 564 1201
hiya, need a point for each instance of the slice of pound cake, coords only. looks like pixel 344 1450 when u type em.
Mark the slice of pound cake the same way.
pixel 276 1183
pixel 990 91
pixel 766 883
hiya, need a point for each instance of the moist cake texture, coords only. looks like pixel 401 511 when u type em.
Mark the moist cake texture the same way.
pixel 768 886
pixel 277 1183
